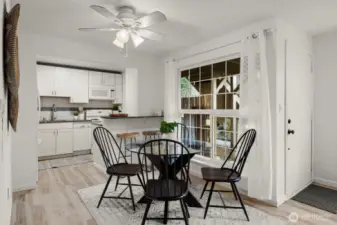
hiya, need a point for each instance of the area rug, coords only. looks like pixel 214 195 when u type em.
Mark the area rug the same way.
pixel 120 212
pixel 319 197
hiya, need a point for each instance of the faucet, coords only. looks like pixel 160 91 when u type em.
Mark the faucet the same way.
pixel 53 110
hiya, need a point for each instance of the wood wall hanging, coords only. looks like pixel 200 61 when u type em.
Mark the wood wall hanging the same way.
pixel 11 56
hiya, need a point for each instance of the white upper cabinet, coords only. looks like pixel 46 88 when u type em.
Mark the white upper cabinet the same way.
pixel 119 79
pixel 95 78
pixel 45 79
pixel 80 86
pixel 63 88
pixel 109 79
pixel 99 79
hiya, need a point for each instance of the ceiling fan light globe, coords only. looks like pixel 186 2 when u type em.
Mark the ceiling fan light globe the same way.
pixel 123 35
pixel 118 43
pixel 137 40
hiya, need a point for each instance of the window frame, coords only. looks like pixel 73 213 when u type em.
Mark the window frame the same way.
pixel 213 113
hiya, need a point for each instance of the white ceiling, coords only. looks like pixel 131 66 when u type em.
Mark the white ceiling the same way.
pixel 189 21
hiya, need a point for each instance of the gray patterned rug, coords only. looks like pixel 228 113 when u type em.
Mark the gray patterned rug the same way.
pixel 120 212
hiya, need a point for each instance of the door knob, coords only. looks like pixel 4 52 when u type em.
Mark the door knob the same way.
pixel 291 131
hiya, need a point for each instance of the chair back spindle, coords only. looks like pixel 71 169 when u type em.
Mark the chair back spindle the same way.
pixel 169 157
pixel 242 149
pixel 108 147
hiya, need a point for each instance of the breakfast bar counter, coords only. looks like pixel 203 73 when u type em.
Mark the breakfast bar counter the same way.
pixel 121 124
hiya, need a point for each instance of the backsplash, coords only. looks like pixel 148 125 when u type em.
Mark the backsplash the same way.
pixel 59 115
pixel 64 103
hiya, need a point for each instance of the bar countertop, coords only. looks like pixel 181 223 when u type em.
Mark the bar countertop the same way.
pixel 129 117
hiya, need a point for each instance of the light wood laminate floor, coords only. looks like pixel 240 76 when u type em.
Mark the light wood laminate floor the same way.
pixel 55 200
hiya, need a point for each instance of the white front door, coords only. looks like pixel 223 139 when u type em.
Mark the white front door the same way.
pixel 299 99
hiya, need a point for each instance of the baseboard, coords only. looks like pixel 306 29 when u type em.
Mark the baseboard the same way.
pixel 75 153
pixel 25 188
pixel 328 183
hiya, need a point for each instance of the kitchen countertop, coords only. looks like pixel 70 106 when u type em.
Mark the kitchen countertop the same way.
pixel 130 117
pixel 64 121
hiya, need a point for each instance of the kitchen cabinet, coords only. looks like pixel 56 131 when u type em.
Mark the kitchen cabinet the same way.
pixel 95 78
pixel 99 79
pixel 54 81
pixel 63 88
pixel 45 79
pixel 108 79
pixel 82 136
pixel 119 79
pixel 56 138
pixel 48 142
pixel 80 83
pixel 64 141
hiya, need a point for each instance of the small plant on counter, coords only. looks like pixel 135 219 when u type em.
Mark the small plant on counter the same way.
pixel 76 113
pixel 167 127
pixel 116 107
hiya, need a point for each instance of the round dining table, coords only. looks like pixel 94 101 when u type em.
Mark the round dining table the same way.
pixel 170 171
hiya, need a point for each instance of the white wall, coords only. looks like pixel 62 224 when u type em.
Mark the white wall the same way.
pixel 325 137
pixel 5 143
pixel 150 68
pixel 24 141
pixel 231 43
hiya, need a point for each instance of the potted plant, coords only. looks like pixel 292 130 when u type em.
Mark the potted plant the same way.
pixel 75 115
pixel 167 129
pixel 116 108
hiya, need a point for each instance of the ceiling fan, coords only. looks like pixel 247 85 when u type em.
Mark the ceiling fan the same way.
pixel 127 25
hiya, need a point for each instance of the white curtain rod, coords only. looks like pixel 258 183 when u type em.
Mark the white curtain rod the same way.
pixel 213 49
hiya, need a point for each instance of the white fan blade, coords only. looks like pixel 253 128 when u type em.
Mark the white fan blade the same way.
pixel 99 29
pixel 149 35
pixel 106 13
pixel 136 39
pixel 150 19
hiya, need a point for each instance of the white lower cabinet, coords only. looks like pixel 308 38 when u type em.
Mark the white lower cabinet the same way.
pixel 64 141
pixel 82 137
pixel 48 142
pixel 64 138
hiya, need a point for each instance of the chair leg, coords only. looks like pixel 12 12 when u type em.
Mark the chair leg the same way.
pixel 166 212
pixel 117 183
pixel 189 178
pixel 209 199
pixel 182 204
pixel 146 211
pixel 103 193
pixel 133 200
pixel 241 202
pixel 234 192
pixel 140 180
pixel 186 207
pixel 203 190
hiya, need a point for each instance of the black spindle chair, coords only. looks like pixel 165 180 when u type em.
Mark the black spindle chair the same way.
pixel 229 175
pixel 111 152
pixel 168 157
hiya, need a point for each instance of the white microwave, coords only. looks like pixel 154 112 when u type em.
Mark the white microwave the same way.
pixel 101 93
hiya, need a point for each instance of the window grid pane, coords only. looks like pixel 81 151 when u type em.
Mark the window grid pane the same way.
pixel 214 86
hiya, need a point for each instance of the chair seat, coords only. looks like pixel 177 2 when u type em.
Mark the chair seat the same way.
pixel 219 174
pixel 124 169
pixel 166 189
